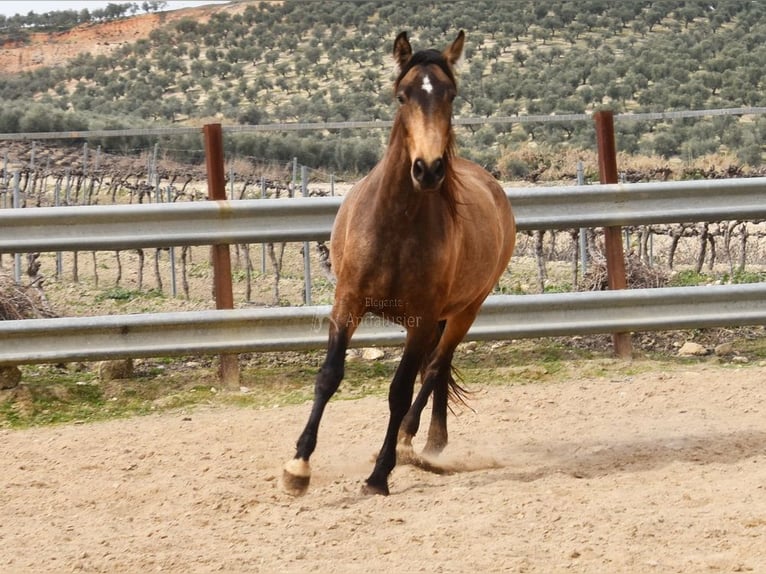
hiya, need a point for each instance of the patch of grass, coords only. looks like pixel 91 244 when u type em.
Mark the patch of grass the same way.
pixel 688 278
pixel 754 347
pixel 45 403
pixel 740 277
pixel 9 416
pixel 122 294
pixel 238 275
pixel 515 289
pixel 558 288
pixel 199 270
pixel 116 294
pixel 52 395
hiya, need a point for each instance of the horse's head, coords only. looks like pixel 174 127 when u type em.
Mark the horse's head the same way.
pixel 425 89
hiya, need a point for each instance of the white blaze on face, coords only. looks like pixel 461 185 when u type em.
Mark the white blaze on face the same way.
pixel 427 86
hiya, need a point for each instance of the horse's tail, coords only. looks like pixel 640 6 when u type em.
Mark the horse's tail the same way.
pixel 456 393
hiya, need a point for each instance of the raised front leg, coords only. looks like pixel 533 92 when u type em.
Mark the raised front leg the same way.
pixel 297 472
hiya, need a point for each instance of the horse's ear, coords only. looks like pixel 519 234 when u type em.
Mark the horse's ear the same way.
pixel 402 50
pixel 455 50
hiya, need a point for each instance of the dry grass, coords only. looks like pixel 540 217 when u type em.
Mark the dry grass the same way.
pixel 543 163
pixel 639 275
pixel 22 301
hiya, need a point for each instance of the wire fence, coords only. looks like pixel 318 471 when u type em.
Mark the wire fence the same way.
pixel 40 177
pixel 372 124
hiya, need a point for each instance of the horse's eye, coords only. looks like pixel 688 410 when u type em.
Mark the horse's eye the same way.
pixel 400 98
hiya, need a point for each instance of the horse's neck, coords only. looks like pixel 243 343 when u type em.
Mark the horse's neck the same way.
pixel 392 194
pixel 389 187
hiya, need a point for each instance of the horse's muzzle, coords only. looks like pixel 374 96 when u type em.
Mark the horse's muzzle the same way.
pixel 428 177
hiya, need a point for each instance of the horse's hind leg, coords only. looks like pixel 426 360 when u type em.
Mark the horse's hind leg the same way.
pixel 435 384
pixel 437 430
pixel 437 380
pixel 411 422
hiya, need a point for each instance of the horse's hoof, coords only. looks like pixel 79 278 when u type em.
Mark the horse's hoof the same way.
pixel 296 477
pixel 433 450
pixel 371 489
pixel 405 454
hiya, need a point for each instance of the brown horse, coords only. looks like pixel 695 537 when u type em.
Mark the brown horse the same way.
pixel 420 241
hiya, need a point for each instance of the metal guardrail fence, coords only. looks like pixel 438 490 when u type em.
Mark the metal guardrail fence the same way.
pixel 240 330
pixel 302 328
pixel 112 227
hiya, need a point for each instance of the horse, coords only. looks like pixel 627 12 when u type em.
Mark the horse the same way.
pixel 420 241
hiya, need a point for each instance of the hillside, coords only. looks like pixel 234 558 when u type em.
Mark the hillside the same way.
pixel 262 62
pixel 49 49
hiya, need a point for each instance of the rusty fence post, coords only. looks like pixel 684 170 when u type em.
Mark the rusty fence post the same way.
pixel 228 369
pixel 615 257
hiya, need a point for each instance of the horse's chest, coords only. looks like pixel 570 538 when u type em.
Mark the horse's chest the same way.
pixel 413 251
pixel 391 267
pixel 389 251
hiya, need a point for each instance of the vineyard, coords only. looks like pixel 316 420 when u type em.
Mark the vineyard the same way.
pixel 140 280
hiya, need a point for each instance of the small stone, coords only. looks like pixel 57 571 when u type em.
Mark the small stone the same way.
pixel 372 354
pixel 690 349
pixel 10 377
pixel 724 349
pixel 112 370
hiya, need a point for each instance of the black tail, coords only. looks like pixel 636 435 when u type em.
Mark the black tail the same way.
pixel 456 393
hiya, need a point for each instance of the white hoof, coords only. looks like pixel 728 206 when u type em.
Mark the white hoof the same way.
pixel 296 477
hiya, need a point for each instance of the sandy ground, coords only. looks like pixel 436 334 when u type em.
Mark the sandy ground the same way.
pixel 657 472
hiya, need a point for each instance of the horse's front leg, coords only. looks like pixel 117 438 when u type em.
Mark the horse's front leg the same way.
pixel 297 472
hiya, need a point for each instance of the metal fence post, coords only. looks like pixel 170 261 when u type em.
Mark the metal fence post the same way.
pixel 615 258
pixel 59 254
pixel 172 255
pixel 263 245
pixel 306 244
pixel 583 239
pixel 16 205
pixel 295 178
pixel 224 297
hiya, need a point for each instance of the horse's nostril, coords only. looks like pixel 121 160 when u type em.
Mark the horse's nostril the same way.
pixel 428 175
pixel 419 170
